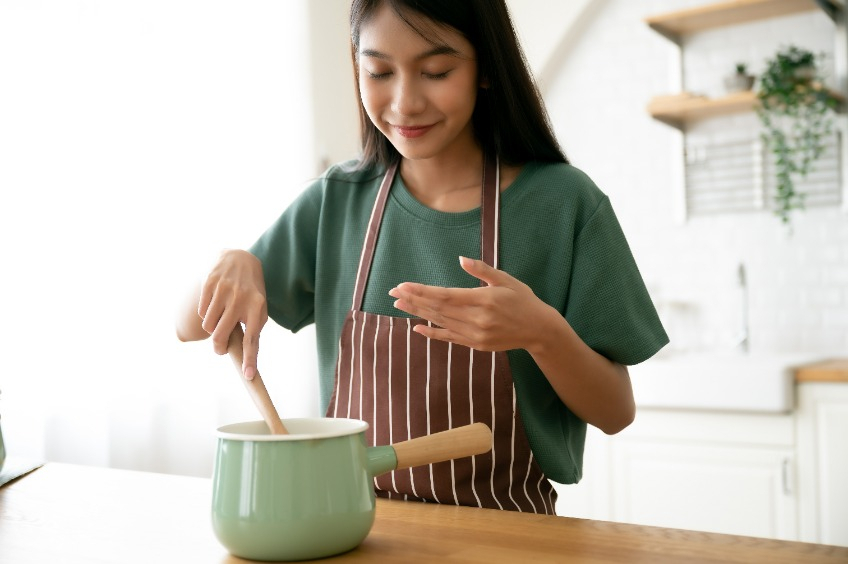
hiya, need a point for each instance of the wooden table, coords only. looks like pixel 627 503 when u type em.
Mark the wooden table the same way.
pixel 70 514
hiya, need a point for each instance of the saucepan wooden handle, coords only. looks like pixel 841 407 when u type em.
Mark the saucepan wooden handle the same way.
pixel 255 387
pixel 446 445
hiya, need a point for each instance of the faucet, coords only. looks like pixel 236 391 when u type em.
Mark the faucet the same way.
pixel 742 341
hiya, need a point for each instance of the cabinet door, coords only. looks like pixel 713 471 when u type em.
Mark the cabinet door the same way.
pixel 823 463
pixel 707 487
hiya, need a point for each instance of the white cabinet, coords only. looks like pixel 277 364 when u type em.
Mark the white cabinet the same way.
pixel 719 472
pixel 723 489
pixel 781 476
pixel 822 420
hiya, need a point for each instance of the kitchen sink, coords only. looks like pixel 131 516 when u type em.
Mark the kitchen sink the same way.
pixel 758 382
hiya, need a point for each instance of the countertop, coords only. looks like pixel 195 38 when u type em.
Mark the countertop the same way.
pixel 834 370
pixel 77 514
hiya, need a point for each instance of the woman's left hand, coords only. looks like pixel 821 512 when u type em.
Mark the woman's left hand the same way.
pixel 504 315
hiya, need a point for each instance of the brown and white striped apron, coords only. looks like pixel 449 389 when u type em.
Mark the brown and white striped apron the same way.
pixel 406 386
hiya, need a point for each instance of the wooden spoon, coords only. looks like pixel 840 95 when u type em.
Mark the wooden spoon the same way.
pixel 255 387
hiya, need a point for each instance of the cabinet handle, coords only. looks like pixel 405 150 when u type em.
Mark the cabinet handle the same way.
pixel 786 475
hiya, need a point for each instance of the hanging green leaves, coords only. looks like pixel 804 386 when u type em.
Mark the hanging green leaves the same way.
pixel 796 113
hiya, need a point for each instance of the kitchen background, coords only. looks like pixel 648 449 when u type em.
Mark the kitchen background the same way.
pixel 138 139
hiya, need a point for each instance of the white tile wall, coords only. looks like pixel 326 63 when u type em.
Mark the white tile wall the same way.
pixel 798 282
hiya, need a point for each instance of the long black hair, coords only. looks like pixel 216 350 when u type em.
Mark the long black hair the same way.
pixel 509 117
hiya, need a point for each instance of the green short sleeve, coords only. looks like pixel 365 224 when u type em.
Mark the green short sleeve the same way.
pixel 608 305
pixel 287 251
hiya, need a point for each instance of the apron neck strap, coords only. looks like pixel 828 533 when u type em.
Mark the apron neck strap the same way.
pixel 490 212
pixel 489 219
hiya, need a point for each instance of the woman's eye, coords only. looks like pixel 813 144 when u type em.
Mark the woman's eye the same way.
pixel 378 75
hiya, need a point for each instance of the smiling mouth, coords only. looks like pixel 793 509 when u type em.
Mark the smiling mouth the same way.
pixel 411 132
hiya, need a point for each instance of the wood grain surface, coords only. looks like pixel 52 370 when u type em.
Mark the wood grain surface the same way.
pixel 835 370
pixel 76 514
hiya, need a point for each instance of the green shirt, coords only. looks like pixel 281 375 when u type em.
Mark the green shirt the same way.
pixel 558 234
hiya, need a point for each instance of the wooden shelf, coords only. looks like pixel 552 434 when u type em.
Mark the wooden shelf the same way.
pixel 675 25
pixel 678 110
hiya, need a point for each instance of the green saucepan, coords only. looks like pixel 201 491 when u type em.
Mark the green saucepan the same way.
pixel 309 494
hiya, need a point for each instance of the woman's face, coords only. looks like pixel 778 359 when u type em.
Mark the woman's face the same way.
pixel 419 94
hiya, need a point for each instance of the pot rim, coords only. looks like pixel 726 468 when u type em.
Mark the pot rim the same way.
pixel 300 428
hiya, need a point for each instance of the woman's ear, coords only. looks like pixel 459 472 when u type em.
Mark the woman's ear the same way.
pixel 484 83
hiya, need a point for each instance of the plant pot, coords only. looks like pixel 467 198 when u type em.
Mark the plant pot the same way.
pixel 805 73
pixel 738 83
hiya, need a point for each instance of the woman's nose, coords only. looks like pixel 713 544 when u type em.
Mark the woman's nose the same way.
pixel 407 98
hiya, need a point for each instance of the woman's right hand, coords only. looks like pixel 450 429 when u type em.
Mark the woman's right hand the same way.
pixel 233 293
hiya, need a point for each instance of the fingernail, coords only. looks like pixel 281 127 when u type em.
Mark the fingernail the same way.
pixel 249 373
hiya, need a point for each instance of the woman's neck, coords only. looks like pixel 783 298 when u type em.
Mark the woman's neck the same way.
pixel 450 185
pixel 445 184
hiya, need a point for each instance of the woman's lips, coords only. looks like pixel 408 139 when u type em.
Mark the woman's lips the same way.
pixel 412 131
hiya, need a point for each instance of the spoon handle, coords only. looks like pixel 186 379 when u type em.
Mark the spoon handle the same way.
pixel 256 387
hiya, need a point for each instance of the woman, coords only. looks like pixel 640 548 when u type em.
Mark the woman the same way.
pixel 530 332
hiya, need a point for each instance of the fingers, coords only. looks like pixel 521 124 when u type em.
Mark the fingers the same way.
pixel 224 327
pixel 491 317
pixel 243 348
pixel 448 309
pixel 221 333
pixel 234 294
pixel 219 321
pixel 206 293
pixel 481 270
pixel 448 335
pixel 251 351
pixel 436 304
pixel 211 308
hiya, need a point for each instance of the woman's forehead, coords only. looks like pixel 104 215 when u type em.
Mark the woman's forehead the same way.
pixel 388 33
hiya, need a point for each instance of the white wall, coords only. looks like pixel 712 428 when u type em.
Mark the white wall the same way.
pixel 137 139
pixel 798 283
pixel 546 29
pixel 334 93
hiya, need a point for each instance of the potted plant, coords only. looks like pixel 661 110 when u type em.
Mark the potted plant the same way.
pixel 740 80
pixel 796 114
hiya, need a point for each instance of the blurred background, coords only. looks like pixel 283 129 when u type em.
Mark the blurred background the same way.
pixel 138 139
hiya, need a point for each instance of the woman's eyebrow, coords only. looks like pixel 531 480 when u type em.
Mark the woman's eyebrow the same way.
pixel 437 50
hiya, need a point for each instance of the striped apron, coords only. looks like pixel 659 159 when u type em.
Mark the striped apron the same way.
pixel 406 386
